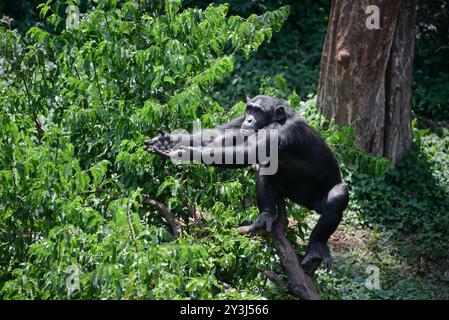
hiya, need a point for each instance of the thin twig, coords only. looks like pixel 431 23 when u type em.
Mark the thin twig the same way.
pixel 193 211
pixel 37 123
pixel 168 216
pixel 96 191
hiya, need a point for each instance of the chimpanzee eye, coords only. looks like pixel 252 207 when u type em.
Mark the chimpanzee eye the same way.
pixel 254 109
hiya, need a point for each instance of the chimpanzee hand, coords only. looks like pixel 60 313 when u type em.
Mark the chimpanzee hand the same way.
pixel 161 145
pixel 264 220
pixel 317 252
pixel 162 139
pixel 158 149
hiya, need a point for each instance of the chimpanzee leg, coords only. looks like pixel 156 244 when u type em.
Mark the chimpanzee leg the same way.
pixel 266 198
pixel 331 208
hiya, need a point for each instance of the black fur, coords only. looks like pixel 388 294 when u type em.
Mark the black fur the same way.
pixel 308 173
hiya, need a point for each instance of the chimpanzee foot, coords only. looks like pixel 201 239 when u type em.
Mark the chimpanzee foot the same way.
pixel 317 252
pixel 264 221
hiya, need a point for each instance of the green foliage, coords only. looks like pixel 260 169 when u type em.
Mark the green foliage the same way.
pixel 294 52
pixel 76 106
pixel 431 66
pixel 413 198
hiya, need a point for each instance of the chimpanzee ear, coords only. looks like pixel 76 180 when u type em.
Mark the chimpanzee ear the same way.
pixel 280 112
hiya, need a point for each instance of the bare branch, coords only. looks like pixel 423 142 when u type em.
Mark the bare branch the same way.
pixel 168 216
pixel 299 283
pixel 274 278
pixel 96 191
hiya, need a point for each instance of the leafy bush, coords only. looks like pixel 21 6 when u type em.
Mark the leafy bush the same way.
pixel 76 106
pixel 295 53
pixel 431 66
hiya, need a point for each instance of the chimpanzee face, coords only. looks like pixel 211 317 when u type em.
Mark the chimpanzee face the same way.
pixel 260 112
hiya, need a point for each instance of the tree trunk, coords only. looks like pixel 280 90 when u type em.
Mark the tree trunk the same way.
pixel 366 74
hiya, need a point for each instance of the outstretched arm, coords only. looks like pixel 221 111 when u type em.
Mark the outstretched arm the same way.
pixel 235 151
pixel 201 138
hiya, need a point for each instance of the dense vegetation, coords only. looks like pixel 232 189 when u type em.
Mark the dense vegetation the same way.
pixel 77 103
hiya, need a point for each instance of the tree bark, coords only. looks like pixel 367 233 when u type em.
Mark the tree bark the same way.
pixel 366 74
pixel 298 282
pixel 168 216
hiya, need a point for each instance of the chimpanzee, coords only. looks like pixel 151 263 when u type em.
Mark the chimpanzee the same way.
pixel 307 171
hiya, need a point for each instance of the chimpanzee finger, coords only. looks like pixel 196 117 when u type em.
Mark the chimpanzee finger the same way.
pixel 152 141
pixel 160 152
pixel 149 149
pixel 256 226
pixel 165 142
